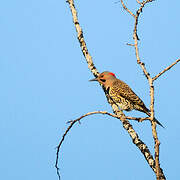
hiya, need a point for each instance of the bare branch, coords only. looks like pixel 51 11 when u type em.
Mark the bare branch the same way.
pixel 144 149
pixel 124 6
pixel 80 36
pixel 166 69
pixel 136 38
pixel 110 114
pixel 138 2
pixel 59 146
pixel 138 118
pixel 129 44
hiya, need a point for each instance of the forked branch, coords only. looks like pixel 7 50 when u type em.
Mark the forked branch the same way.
pixel 125 8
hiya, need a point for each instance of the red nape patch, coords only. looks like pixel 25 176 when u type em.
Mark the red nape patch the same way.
pixel 112 74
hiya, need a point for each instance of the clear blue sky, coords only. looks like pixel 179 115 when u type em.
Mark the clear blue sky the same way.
pixel 44 83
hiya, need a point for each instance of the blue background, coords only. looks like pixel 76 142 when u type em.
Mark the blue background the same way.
pixel 44 83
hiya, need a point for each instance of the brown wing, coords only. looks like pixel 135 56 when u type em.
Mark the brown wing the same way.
pixel 123 90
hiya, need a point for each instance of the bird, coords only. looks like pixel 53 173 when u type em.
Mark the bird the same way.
pixel 121 94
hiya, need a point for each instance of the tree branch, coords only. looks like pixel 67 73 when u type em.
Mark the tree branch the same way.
pixel 143 148
pixel 125 8
pixel 80 36
pixel 72 122
pixel 138 2
pixel 166 69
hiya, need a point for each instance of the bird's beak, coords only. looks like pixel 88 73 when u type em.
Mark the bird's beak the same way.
pixel 95 79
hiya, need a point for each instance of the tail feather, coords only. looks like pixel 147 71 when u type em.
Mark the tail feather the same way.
pixel 149 114
pixel 158 122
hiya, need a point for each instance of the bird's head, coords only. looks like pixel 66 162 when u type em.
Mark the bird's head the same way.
pixel 105 78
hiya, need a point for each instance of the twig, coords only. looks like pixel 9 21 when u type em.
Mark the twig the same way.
pixel 138 2
pixel 58 147
pixel 138 118
pixel 129 44
pixel 124 6
pixel 166 69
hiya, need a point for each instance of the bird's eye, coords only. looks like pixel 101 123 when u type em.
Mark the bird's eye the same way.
pixel 103 80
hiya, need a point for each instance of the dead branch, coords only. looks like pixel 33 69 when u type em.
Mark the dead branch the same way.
pixel 143 148
pixel 138 118
pixel 80 36
pixel 125 8
pixel 129 44
pixel 72 122
pixel 110 114
pixel 138 2
pixel 166 69
pixel 59 146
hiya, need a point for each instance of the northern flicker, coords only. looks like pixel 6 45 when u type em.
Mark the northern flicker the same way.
pixel 121 94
